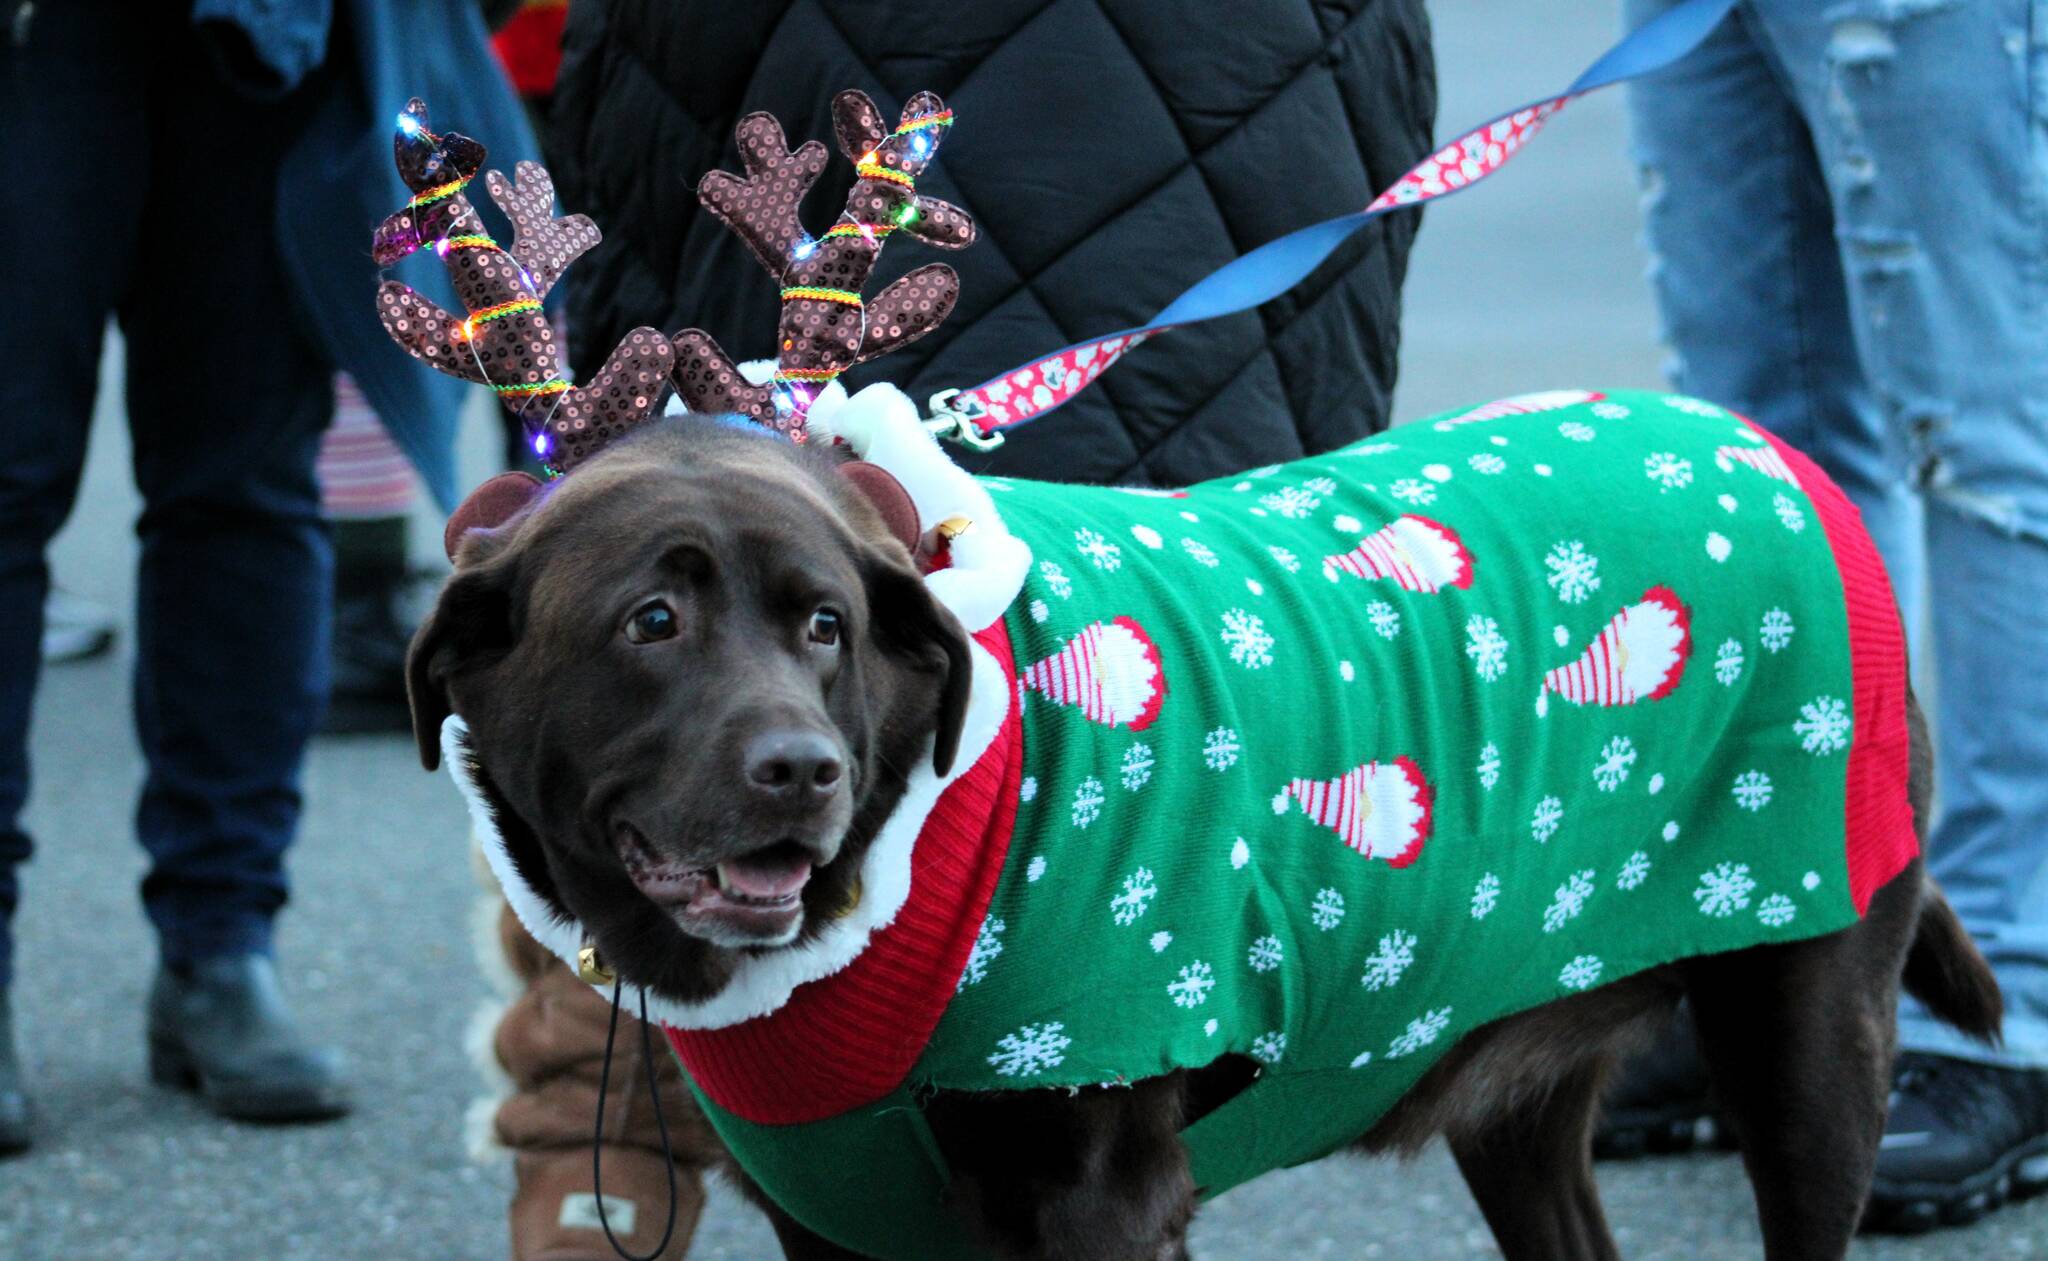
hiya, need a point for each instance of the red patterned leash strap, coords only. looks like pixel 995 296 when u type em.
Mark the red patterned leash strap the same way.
pixel 980 417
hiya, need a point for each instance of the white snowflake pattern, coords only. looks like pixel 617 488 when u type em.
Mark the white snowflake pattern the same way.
pixel 1669 471
pixel 1385 618
pixel 1320 485
pixel 1268 1047
pixel 1487 647
pixel 1421 1031
pixel 1776 630
pixel 1327 911
pixel 1193 986
pixel 1250 645
pixel 1384 966
pixel 1776 911
pixel 1485 895
pixel 1543 823
pixel 988 943
pixel 1752 790
pixel 1136 767
pixel 1789 513
pixel 1489 765
pixel 1056 580
pixel 1610 411
pixel 1574 572
pixel 1823 726
pixel 1414 491
pixel 1287 560
pixel 1728 662
pixel 1087 802
pixel 1220 749
pixel 1028 790
pixel 1292 502
pixel 1200 553
pixel 1140 887
pixel 1582 973
pixel 1577 431
pixel 1611 772
pixel 1569 900
pixel 1265 954
pixel 1040 610
pixel 1724 890
pixel 1031 1050
pixel 1488 463
pixel 1634 871
pixel 1036 870
pixel 1105 555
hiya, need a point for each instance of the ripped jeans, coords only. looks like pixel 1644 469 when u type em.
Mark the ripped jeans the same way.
pixel 1846 203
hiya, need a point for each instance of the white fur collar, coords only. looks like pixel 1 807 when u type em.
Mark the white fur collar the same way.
pixel 987 571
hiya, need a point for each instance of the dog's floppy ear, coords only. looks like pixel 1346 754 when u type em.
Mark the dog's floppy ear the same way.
pixel 910 622
pixel 472 618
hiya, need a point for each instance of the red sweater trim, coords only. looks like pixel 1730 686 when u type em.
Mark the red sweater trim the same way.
pixel 850 1038
pixel 1880 839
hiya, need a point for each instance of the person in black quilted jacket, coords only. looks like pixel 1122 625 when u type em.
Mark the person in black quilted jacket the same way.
pixel 1112 154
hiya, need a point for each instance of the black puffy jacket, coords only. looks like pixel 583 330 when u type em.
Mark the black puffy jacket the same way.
pixel 1112 151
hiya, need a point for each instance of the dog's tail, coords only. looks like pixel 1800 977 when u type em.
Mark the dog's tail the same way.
pixel 1945 971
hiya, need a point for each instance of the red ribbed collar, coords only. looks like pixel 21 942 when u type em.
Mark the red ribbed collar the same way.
pixel 851 1038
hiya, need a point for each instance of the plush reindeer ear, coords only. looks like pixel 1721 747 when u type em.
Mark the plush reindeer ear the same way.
pixel 489 506
pixel 889 498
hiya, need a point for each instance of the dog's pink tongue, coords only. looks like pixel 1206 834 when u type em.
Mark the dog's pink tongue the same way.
pixel 761 877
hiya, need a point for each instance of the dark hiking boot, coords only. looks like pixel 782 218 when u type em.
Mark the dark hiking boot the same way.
pixel 1962 1139
pixel 1659 1102
pixel 219 1027
pixel 15 1124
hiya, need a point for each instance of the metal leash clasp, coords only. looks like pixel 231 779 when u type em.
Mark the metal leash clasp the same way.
pixel 956 424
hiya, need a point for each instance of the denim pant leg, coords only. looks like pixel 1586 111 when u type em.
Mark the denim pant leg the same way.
pixel 1932 128
pixel 74 89
pixel 227 399
pixel 1748 282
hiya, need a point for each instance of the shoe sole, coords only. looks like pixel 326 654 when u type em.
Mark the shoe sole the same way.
pixel 172 1068
pixel 1914 1208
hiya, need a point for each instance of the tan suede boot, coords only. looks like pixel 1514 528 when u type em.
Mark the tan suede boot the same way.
pixel 550 1042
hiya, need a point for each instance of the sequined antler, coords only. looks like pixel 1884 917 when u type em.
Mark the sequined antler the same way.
pixel 826 325
pixel 505 341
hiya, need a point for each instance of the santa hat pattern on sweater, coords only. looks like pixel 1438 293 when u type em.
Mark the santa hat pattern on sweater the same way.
pixel 1111 670
pixel 1520 405
pixel 1417 553
pixel 1639 655
pixel 1381 809
pixel 1765 460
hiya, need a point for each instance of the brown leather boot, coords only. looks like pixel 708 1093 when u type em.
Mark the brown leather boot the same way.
pixel 551 1044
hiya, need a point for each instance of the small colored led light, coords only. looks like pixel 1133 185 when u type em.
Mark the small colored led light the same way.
pixel 465 332
pixel 919 145
pixel 906 214
pixel 540 444
pixel 806 249
pixel 441 247
pixel 867 158
pixel 408 124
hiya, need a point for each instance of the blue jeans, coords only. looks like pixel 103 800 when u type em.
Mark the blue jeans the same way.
pixel 137 187
pixel 1847 212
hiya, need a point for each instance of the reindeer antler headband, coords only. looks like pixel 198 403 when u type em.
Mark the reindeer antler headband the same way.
pixel 505 341
pixel 826 326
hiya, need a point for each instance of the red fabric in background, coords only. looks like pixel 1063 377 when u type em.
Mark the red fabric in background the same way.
pixel 530 46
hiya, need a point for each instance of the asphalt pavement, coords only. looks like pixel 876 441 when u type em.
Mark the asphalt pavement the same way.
pixel 1533 282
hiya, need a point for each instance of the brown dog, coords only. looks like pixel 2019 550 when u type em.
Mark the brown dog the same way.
pixel 695 678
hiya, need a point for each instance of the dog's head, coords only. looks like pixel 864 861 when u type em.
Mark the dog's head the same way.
pixel 696 677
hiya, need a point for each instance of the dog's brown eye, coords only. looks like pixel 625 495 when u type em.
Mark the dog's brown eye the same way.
pixel 825 627
pixel 651 621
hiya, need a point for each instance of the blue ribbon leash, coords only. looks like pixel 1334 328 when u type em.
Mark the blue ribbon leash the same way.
pixel 980 417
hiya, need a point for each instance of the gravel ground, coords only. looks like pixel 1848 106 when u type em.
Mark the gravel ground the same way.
pixel 1531 283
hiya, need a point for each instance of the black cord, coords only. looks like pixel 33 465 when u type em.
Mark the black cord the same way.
pixel 661 1123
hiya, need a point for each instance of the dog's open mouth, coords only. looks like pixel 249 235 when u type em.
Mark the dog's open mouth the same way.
pixel 751 899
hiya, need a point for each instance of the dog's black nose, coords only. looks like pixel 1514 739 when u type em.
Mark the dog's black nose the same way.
pixel 790 763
